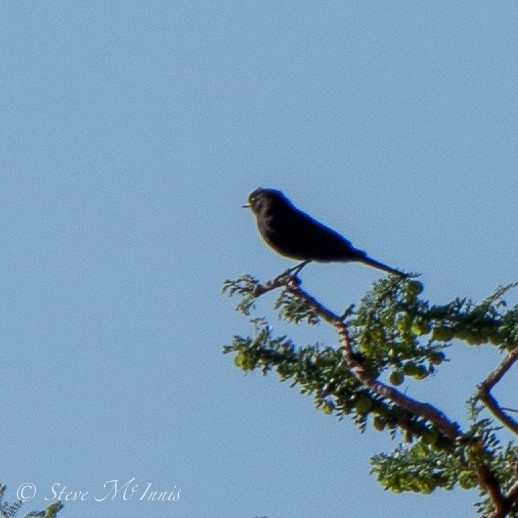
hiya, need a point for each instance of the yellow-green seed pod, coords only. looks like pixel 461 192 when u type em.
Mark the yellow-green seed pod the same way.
pixel 362 404
pixel 442 334
pixel 396 378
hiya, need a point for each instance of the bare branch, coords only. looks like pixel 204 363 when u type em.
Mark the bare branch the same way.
pixel 284 279
pixel 512 496
pixel 504 503
pixel 490 483
pixel 489 400
pixel 424 410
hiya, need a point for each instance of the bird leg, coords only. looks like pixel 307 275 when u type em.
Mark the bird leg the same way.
pixel 296 269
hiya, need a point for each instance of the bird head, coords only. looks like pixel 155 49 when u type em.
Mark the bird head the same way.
pixel 262 200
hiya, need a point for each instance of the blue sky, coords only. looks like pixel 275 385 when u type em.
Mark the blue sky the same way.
pixel 131 135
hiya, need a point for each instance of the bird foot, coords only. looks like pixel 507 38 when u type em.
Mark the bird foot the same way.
pixel 295 270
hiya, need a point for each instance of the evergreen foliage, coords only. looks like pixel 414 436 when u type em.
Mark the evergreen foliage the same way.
pixel 391 336
pixel 11 510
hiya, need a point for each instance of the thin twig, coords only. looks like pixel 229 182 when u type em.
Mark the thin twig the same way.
pixel 427 411
pixel 510 500
pixel 489 400
pixel 284 279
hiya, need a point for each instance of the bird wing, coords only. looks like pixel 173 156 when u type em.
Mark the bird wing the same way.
pixel 303 237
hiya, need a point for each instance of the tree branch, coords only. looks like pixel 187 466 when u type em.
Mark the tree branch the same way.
pixel 506 505
pixel 503 504
pixel 489 400
pixel 424 410
pixel 428 412
pixel 490 483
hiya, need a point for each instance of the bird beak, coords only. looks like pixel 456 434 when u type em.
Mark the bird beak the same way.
pixel 245 206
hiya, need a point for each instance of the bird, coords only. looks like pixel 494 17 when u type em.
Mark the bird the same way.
pixel 294 234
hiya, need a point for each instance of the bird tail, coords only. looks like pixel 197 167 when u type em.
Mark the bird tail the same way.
pixel 384 267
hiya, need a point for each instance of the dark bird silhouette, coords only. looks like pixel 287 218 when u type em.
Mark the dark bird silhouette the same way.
pixel 295 234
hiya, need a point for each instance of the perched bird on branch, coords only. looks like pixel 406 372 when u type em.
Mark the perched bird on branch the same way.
pixel 295 234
